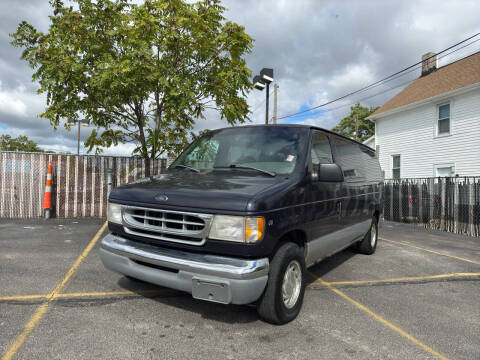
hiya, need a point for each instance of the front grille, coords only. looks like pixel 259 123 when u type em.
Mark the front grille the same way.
pixel 165 225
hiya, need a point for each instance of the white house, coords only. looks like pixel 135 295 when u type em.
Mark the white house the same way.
pixel 370 142
pixel 432 127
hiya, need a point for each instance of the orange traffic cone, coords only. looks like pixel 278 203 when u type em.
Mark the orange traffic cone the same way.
pixel 47 198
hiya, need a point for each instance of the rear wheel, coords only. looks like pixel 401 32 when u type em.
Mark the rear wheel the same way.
pixel 368 245
pixel 283 297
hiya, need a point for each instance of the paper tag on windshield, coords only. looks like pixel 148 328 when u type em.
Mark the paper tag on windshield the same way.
pixel 290 158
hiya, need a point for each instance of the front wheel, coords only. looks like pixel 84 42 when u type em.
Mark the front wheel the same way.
pixel 283 297
pixel 368 245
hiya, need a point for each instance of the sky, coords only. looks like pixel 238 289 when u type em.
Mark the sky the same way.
pixel 319 50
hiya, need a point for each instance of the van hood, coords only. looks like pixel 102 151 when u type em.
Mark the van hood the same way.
pixel 222 190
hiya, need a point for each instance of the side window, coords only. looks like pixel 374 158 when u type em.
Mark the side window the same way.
pixel 348 157
pixel 358 162
pixel 321 152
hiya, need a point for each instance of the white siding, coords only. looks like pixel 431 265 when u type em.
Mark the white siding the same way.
pixel 411 134
pixel 370 142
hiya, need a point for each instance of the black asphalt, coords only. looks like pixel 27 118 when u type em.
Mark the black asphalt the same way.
pixel 443 314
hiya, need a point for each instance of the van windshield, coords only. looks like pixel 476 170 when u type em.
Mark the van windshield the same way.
pixel 277 150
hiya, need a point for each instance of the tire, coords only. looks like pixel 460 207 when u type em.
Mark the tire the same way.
pixel 368 245
pixel 272 307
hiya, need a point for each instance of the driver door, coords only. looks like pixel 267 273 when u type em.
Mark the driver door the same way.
pixel 324 205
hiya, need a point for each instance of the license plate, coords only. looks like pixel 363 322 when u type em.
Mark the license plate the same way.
pixel 211 290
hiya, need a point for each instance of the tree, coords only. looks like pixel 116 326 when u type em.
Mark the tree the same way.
pixel 366 128
pixel 20 143
pixel 140 73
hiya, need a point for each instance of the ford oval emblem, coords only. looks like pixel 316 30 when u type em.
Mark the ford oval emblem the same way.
pixel 161 197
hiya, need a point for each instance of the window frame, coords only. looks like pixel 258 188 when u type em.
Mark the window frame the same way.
pixel 301 134
pixel 312 135
pixel 438 119
pixel 443 166
pixel 351 175
pixel 399 168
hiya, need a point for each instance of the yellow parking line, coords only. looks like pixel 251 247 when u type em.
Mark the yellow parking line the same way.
pixel 22 297
pixel 431 251
pixel 112 293
pixel 161 291
pixel 94 294
pixel 42 309
pixel 84 294
pixel 77 262
pixel 402 279
pixel 381 319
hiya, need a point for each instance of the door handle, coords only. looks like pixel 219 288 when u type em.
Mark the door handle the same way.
pixel 339 209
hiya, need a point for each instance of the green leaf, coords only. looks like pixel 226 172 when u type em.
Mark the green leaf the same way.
pixel 141 73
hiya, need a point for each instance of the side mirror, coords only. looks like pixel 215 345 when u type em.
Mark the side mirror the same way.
pixel 330 173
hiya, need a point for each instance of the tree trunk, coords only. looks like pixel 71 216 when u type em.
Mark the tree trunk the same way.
pixel 143 141
pixel 147 166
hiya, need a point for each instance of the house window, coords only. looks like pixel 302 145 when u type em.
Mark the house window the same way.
pixel 396 166
pixel 444 170
pixel 443 119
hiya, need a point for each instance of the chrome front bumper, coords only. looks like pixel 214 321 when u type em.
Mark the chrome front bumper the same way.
pixel 208 277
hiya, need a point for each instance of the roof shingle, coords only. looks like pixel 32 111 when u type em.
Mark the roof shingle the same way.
pixel 453 76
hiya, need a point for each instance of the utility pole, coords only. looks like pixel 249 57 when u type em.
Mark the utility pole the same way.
pixel 72 122
pixel 266 104
pixel 275 89
pixel 261 82
pixel 356 127
pixel 78 138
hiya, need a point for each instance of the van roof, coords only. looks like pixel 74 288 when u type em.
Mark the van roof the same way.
pixel 296 125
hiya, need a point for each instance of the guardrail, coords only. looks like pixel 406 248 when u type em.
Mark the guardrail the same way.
pixel 446 203
pixel 79 186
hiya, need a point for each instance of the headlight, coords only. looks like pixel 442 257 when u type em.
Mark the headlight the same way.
pixel 114 213
pixel 237 228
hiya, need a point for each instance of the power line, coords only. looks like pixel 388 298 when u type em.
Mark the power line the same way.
pixel 396 87
pixel 368 87
pixel 261 102
pixel 419 66
pixel 369 97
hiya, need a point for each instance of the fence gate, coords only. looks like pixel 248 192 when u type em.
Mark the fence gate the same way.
pixel 79 182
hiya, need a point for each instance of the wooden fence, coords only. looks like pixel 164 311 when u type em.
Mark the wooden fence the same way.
pixel 448 204
pixel 79 182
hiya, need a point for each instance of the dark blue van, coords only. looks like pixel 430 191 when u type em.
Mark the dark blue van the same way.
pixel 244 211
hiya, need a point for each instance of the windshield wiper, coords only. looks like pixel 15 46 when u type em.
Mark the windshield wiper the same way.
pixel 234 166
pixel 188 167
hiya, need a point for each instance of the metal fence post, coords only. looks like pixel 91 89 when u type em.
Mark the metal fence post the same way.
pixel 419 185
pixel 443 194
pixel 456 205
pixel 471 202
pixel 109 181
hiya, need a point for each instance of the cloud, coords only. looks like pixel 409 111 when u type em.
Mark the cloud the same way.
pixel 319 50
pixel 353 76
pixel 11 104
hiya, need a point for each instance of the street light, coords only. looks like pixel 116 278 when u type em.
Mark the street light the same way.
pixel 260 82
pixel 72 122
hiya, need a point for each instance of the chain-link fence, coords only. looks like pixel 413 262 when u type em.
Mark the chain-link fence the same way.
pixel 80 190
pixel 79 182
pixel 448 204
